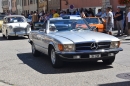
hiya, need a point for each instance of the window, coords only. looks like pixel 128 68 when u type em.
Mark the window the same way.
pixel 31 1
pixel 25 3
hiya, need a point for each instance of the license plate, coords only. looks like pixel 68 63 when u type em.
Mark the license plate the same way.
pixel 95 56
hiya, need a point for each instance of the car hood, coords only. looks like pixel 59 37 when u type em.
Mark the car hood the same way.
pixel 85 36
pixel 24 24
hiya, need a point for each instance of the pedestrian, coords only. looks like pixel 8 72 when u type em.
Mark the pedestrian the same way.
pixel 99 13
pixel 34 18
pixel 90 12
pixel 109 21
pixel 119 21
pixel 55 15
pixel 128 21
pixel 83 15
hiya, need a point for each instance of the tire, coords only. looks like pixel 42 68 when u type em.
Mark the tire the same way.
pixel 34 51
pixel 109 61
pixel 7 36
pixel 55 59
pixel 3 35
pixel 96 29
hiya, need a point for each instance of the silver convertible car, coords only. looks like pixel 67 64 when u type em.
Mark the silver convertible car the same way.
pixel 72 39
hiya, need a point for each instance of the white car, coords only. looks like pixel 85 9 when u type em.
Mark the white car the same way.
pixel 15 25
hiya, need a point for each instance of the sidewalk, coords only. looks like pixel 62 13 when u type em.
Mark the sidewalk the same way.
pixel 122 38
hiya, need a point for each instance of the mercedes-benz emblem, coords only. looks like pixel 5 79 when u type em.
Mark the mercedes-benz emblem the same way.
pixel 94 46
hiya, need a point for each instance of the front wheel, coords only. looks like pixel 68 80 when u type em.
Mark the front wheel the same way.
pixel 7 36
pixel 109 61
pixel 55 59
pixel 34 51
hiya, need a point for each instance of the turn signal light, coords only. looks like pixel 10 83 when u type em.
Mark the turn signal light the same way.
pixel 61 47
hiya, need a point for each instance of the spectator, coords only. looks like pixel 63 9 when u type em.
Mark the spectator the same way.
pixel 41 19
pixel 90 12
pixel 34 18
pixel 77 12
pixel 124 22
pixel 109 21
pixel 119 20
pixel 99 13
pixel 55 15
pixel 83 15
pixel 104 15
pixel 128 21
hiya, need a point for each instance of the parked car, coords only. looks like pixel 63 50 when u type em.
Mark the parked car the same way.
pixel 1 21
pixel 99 23
pixel 71 39
pixel 15 25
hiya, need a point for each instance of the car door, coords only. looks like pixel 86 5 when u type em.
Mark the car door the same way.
pixel 42 38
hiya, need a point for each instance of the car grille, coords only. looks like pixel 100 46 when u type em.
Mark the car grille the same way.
pixel 87 46
pixel 19 29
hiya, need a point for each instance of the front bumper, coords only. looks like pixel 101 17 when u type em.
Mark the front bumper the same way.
pixel 19 34
pixel 84 55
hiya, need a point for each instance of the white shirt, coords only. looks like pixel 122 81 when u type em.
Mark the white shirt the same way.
pixel 110 14
pixel 128 15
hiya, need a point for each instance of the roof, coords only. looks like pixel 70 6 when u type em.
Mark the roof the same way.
pixel 14 16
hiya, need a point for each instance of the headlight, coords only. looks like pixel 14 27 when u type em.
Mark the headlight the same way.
pixel 115 44
pixel 10 27
pixel 66 47
pixel 28 26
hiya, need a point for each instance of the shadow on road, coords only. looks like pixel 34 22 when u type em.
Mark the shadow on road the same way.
pixel 127 83
pixel 13 38
pixel 43 65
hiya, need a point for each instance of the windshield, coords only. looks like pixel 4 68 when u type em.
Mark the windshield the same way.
pixel 38 26
pixel 1 17
pixel 92 20
pixel 68 25
pixel 16 19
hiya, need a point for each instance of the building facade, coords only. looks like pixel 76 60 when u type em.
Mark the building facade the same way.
pixel 14 6
pixel 25 5
pixel 19 6
pixel 1 10
pixel 5 6
pixel 53 4
pixel 94 4
pixel 42 5
pixel 33 5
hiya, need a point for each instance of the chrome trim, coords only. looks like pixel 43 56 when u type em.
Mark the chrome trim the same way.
pixel 90 51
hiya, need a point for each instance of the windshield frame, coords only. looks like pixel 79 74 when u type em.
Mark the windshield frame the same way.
pixel 24 19
pixel 49 22
pixel 99 22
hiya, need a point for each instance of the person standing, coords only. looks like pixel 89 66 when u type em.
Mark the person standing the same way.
pixel 99 14
pixel 119 21
pixel 128 21
pixel 34 18
pixel 109 21
pixel 55 15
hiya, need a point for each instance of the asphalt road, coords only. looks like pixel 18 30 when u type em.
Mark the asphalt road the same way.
pixel 19 68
